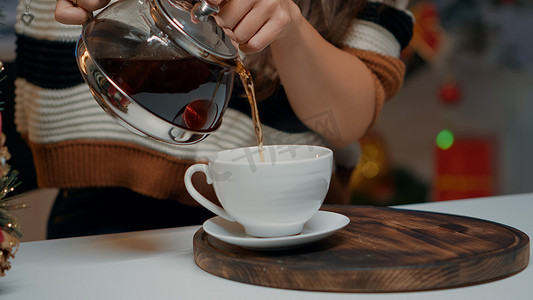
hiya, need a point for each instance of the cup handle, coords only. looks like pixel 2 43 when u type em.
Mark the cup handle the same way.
pixel 198 197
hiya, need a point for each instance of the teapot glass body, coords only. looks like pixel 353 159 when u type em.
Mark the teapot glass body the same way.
pixel 157 72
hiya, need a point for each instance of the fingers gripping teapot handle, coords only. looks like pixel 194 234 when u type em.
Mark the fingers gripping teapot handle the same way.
pixel 205 10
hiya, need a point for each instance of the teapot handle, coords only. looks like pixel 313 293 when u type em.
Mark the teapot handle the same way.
pixel 205 10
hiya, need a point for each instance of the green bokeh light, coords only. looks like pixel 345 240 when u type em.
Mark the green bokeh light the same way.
pixel 444 139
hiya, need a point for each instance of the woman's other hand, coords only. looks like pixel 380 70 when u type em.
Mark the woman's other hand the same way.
pixel 76 12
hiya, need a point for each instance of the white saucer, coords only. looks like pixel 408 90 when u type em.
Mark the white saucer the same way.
pixel 321 225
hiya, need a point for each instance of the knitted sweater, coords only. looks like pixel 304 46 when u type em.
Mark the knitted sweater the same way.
pixel 76 144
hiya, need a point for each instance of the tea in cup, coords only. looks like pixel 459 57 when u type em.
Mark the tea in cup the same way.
pixel 272 197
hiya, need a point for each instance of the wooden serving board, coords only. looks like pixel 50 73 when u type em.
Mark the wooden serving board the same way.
pixel 381 250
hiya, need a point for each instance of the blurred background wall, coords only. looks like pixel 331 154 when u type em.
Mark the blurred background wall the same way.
pixel 462 126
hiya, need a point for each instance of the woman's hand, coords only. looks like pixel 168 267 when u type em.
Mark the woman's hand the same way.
pixel 76 12
pixel 321 80
pixel 255 24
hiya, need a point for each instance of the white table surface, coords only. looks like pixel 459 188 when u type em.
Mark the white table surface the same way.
pixel 159 264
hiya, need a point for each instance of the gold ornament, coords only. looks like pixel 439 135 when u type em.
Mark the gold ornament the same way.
pixel 10 232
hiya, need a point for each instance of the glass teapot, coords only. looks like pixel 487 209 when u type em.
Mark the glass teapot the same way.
pixel 156 71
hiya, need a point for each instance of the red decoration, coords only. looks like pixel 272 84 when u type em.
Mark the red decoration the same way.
pixel 465 170
pixel 428 35
pixel 450 93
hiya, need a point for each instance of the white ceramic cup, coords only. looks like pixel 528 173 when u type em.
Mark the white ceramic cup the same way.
pixel 271 198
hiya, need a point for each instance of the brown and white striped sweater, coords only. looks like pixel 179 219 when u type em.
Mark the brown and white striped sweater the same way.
pixel 76 144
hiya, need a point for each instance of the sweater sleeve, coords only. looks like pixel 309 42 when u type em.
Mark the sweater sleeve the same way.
pixel 377 37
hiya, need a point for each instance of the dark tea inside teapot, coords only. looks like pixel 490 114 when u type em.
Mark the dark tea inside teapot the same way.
pixel 156 71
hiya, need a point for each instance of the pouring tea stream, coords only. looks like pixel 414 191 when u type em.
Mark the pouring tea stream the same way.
pixel 158 72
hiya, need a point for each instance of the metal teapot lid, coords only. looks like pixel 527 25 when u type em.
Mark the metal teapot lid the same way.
pixel 204 39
